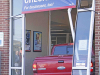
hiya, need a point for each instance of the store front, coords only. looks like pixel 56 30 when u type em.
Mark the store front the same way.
pixel 49 27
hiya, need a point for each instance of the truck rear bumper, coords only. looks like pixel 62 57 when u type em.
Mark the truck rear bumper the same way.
pixel 51 74
pixel 54 74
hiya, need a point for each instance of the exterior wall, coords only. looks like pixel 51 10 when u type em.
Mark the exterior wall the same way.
pixel 4 27
pixel 37 22
pixel 97 37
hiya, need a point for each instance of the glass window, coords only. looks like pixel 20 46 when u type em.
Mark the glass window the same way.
pixel 16 72
pixel 61 40
pixel 53 38
pixel 16 56
pixel 53 43
pixel 17 7
pixel 82 37
pixel 70 50
pixel 60 50
pixel 79 72
pixel 70 39
pixel 85 4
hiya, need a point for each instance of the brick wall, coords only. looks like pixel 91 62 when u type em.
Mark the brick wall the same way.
pixel 4 27
pixel 97 37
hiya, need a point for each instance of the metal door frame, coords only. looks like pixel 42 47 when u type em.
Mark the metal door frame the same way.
pixel 11 41
pixel 92 10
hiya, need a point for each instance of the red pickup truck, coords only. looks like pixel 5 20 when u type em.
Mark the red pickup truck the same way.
pixel 59 63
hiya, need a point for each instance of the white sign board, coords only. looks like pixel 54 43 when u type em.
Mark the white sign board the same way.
pixel 82 44
pixel 80 63
pixel 1 38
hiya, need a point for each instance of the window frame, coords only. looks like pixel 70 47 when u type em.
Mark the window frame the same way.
pixel 11 39
pixel 92 10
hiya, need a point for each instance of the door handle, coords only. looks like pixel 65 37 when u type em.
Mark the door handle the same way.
pixel 61 61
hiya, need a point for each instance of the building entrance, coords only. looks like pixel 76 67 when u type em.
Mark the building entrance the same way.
pixel 53 28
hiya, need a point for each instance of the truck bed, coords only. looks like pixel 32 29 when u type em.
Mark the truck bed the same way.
pixel 54 65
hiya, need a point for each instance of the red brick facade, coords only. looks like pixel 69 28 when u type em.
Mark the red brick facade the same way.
pixel 97 37
pixel 4 27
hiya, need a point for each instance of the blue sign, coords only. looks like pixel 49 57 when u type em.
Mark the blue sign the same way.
pixel 30 6
pixel 0 42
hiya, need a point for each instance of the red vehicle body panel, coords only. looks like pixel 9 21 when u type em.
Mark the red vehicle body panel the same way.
pixel 50 64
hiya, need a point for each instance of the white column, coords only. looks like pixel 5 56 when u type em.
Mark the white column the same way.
pixel 23 43
pixel 71 23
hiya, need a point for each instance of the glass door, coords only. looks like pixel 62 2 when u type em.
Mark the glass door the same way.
pixel 17 39
pixel 17 46
pixel 83 38
pixel 16 51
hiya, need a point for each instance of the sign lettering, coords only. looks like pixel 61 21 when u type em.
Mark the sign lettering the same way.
pixel 30 6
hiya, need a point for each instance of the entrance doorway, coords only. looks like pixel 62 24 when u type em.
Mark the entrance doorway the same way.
pixel 59 30
pixel 60 33
pixel 60 26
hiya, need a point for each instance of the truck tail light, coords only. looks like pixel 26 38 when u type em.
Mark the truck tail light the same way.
pixel 71 44
pixel 91 70
pixel 34 68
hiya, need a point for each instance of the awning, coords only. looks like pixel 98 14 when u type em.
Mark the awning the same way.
pixel 31 6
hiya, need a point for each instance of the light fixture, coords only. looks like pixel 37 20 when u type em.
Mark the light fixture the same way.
pixel 57 30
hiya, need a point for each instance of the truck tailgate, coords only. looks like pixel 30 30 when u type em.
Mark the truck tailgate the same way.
pixel 58 65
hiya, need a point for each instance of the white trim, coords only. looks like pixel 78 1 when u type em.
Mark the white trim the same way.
pixel 16 16
pixel 71 23
pixel 83 68
pixel 16 67
pixel 86 9
pixel 91 37
pixel 23 44
pixel 10 40
pixel 90 43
